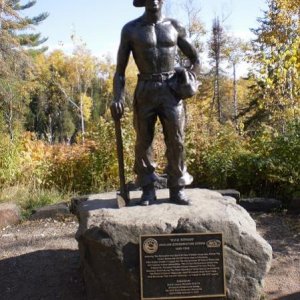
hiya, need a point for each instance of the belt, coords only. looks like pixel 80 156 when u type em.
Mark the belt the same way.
pixel 158 77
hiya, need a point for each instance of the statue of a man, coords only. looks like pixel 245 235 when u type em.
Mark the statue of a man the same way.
pixel 153 40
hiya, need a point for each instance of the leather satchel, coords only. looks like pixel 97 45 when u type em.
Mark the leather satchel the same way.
pixel 183 84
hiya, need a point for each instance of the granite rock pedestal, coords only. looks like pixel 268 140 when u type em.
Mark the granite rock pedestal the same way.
pixel 108 240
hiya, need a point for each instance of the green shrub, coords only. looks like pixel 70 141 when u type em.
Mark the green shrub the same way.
pixel 91 167
pixel 212 158
pixel 30 199
pixel 10 160
pixel 264 164
pixel 39 198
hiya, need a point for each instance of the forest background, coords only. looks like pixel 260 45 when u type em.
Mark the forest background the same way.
pixel 57 135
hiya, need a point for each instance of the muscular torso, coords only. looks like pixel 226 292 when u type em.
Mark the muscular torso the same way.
pixel 153 45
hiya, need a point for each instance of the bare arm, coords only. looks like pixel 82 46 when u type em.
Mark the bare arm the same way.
pixel 117 106
pixel 187 48
pixel 122 61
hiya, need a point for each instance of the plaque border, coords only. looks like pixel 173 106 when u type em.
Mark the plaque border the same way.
pixel 180 234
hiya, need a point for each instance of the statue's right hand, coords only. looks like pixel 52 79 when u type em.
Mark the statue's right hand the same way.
pixel 117 109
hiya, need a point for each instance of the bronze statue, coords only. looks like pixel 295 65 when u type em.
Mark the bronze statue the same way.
pixel 153 40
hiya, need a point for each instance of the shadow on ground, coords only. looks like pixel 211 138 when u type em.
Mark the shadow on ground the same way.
pixel 49 274
pixel 295 296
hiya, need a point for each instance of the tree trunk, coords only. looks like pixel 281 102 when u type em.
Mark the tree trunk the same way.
pixel 235 100
pixel 216 45
pixel 2 6
pixel 218 93
pixel 82 118
pixel 50 134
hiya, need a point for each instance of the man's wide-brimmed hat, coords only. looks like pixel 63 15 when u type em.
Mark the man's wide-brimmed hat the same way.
pixel 139 3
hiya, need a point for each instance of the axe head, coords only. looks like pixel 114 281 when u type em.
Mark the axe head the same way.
pixel 122 200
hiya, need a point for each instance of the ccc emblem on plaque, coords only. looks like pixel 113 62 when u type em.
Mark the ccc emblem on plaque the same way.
pixel 213 244
pixel 150 246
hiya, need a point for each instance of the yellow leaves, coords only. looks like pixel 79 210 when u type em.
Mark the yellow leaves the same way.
pixel 289 5
pixel 87 105
pixel 278 79
pixel 131 70
pixel 34 152
pixel 131 76
pixel 269 83
pixel 57 60
pixel 62 166
pixel 70 71
pixel 63 83
pixel 260 106
pixel 84 66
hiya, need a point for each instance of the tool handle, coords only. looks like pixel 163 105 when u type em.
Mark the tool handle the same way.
pixel 123 188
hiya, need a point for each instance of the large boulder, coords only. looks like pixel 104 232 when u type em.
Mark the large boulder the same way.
pixel 108 241
pixel 9 214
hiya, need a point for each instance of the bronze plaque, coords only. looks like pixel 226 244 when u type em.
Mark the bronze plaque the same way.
pixel 182 266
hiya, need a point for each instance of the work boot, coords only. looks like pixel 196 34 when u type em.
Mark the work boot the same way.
pixel 178 196
pixel 148 195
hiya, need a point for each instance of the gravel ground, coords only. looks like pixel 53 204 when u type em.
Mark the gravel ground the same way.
pixel 40 259
pixel 283 233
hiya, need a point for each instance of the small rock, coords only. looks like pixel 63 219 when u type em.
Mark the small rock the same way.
pixel 55 211
pixel 294 206
pixel 77 201
pixel 9 214
pixel 261 204
pixel 231 193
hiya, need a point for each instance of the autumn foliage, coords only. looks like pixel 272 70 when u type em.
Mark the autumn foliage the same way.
pixel 243 133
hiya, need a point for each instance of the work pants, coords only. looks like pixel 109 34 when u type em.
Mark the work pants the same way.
pixel 154 100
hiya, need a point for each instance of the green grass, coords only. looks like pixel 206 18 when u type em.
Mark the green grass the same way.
pixel 30 199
